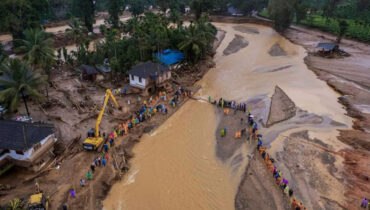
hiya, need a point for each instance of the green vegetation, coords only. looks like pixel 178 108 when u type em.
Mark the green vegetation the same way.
pixel 200 6
pixel 197 40
pixel 281 12
pixel 15 204
pixel 148 34
pixel 248 6
pixel 115 9
pixel 3 56
pixel 19 81
pixel 137 7
pixel 18 15
pixel 38 49
pixel 330 15
pixel 343 27
pixel 84 9
pixel 76 31
pixel 264 13
pixel 355 29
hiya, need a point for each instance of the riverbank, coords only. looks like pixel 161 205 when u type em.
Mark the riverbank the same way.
pixel 350 77
pixel 73 107
pixel 328 163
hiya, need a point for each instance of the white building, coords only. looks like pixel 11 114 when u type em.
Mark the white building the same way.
pixel 148 76
pixel 187 9
pixel 24 144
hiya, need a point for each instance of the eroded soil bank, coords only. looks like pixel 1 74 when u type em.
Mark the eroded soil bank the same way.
pixel 349 76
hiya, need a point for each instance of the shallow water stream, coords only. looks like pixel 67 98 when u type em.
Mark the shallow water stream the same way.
pixel 175 167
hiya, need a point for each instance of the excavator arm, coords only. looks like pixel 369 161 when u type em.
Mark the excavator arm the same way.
pixel 113 98
pixel 100 116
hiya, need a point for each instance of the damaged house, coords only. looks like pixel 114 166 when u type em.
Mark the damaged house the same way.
pixel 148 76
pixel 28 145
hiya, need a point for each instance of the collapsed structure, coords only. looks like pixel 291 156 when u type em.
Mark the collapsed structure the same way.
pixel 25 144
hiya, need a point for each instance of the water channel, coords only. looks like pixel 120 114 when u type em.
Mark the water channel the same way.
pixel 175 167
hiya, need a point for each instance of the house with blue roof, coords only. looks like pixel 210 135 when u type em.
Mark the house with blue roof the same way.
pixel 169 57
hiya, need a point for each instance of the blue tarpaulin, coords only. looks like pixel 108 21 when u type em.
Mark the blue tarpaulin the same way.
pixel 169 57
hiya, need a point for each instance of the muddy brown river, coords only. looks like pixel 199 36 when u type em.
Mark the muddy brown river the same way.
pixel 175 167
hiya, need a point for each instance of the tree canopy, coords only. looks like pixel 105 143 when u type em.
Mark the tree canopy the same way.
pixel 115 9
pixel 281 12
pixel 85 9
pixel 19 81
pixel 38 49
pixel 18 15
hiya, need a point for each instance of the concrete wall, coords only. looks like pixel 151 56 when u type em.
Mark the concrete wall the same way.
pixel 136 82
pixel 164 77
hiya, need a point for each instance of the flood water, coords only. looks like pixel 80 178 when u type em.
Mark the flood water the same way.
pixel 176 167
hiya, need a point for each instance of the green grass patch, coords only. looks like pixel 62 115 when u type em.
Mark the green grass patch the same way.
pixel 355 30
pixel 264 13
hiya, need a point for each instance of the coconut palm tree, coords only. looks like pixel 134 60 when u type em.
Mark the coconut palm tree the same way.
pixel 194 44
pixel 206 29
pixel 38 48
pixel 19 80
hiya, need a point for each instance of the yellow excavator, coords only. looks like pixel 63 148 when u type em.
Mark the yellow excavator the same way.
pixel 38 201
pixel 94 139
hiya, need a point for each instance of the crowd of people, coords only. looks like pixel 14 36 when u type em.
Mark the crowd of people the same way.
pixel 147 110
pixel 252 131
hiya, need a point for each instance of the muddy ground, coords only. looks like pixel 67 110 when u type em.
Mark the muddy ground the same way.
pixel 235 45
pixel 258 189
pixel 280 99
pixel 347 168
pixel 257 181
pixel 276 50
pixel 73 107
pixel 350 77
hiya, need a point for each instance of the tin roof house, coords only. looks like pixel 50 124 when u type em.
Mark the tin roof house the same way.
pixel 148 76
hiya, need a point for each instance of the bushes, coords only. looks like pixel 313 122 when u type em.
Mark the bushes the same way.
pixel 146 35
pixel 355 30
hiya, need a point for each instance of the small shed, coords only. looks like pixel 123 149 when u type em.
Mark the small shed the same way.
pixel 88 72
pixel 327 47
pixel 103 69
pixel 169 57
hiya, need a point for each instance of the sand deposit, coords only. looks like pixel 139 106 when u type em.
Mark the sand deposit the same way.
pixel 235 45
